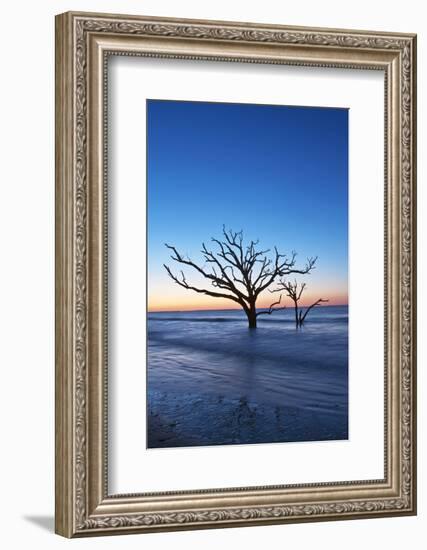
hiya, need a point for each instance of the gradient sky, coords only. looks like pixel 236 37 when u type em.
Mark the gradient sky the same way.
pixel 278 173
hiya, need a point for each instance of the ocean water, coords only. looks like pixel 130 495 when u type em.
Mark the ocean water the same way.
pixel 211 380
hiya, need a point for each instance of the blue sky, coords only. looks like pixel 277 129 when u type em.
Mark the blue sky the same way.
pixel 278 173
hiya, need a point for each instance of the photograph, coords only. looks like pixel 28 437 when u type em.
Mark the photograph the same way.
pixel 247 269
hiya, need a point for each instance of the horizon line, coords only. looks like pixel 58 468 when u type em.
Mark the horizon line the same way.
pixel 230 309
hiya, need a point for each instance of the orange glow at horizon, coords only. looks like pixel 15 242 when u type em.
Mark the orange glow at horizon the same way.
pixel 165 303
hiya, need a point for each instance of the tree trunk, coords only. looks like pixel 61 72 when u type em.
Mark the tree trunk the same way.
pixel 251 314
pixel 296 313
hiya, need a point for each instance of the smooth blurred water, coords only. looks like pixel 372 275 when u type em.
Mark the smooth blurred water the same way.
pixel 214 353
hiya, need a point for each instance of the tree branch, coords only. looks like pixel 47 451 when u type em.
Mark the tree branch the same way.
pixel 272 309
pixel 321 300
pixel 184 284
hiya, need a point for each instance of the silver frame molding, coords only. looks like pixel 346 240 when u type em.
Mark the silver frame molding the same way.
pixel 83 43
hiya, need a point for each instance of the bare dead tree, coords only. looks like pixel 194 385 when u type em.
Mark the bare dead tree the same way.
pixel 295 291
pixel 238 272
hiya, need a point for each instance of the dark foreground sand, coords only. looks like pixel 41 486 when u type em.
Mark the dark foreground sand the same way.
pixel 181 420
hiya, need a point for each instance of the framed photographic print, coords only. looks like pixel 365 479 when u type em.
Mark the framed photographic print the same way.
pixel 235 274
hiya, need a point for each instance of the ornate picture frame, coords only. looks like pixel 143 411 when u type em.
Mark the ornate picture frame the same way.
pixel 84 42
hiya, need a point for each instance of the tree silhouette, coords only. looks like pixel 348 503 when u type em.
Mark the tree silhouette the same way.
pixel 294 291
pixel 238 272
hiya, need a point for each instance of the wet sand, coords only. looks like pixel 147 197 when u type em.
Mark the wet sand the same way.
pixel 184 420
